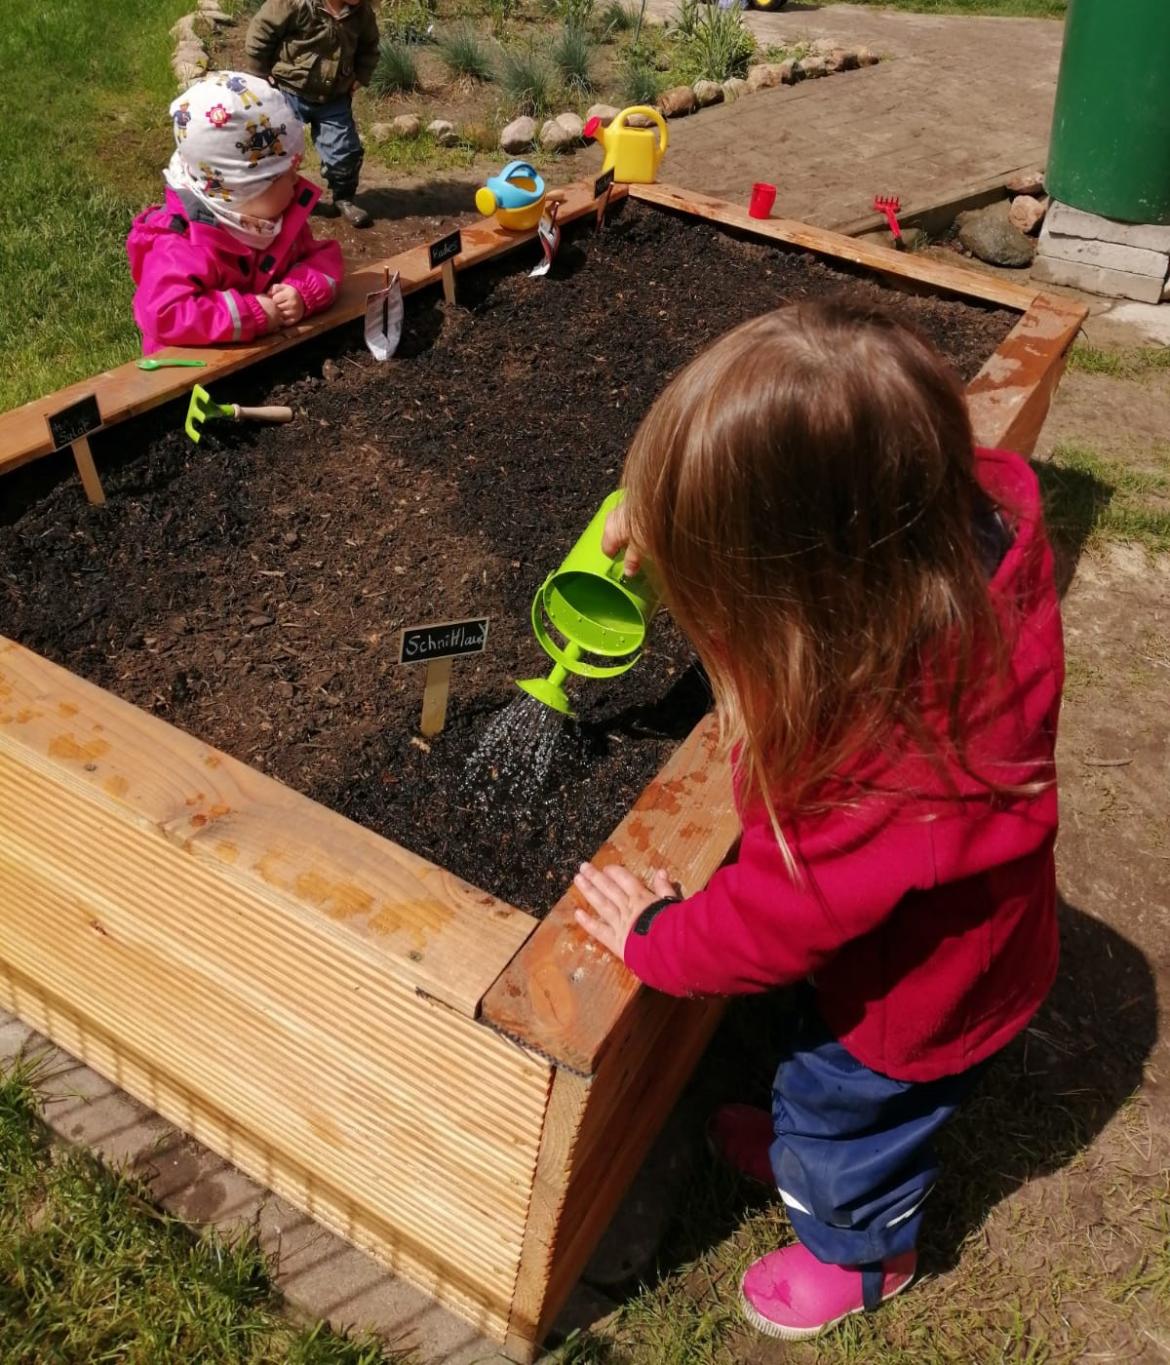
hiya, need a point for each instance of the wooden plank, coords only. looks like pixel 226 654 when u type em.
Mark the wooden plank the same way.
pixel 597 1135
pixel 563 994
pixel 416 922
pixel 1010 396
pixel 446 1245
pixel 952 279
pixel 127 390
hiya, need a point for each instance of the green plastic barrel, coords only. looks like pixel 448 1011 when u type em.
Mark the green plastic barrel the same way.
pixel 1110 149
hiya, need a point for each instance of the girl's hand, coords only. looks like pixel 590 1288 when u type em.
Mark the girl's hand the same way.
pixel 616 536
pixel 616 898
pixel 270 312
pixel 289 304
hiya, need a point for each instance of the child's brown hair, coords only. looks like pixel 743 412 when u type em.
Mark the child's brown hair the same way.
pixel 806 491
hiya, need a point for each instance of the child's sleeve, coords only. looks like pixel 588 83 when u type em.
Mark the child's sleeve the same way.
pixel 318 271
pixel 264 36
pixel 177 300
pixel 366 57
pixel 753 927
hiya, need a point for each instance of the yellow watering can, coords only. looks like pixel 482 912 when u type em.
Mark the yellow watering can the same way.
pixel 633 154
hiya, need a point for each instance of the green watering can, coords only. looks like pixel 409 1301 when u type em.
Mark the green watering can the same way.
pixel 595 610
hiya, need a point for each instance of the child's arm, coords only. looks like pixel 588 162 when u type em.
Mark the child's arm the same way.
pixel 265 34
pixel 318 271
pixel 366 56
pixel 177 301
pixel 752 928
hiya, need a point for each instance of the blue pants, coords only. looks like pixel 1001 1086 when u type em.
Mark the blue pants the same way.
pixel 852 1157
pixel 335 136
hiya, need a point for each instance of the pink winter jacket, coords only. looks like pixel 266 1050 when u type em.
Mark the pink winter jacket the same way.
pixel 198 284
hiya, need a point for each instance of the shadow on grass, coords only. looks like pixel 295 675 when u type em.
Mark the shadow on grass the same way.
pixel 1075 504
pixel 1045 1099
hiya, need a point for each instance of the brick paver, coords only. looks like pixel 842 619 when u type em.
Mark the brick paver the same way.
pixel 956 102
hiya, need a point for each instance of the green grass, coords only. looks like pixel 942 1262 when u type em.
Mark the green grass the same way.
pixel 528 81
pixel 466 54
pixel 1133 362
pixel 397 70
pixel 1015 9
pixel 1091 500
pixel 91 1271
pixel 86 136
pixel 717 47
pixel 572 54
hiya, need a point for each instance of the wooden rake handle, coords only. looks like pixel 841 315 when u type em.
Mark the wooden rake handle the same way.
pixel 269 414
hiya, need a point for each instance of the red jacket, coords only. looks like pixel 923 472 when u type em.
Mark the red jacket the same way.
pixel 926 920
pixel 198 284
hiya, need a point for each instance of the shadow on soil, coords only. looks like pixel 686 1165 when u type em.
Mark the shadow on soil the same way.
pixel 1044 1099
pixel 438 197
pixel 1074 504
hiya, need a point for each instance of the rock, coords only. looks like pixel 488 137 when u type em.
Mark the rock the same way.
pixel 518 136
pixel 790 72
pixel 330 371
pixel 841 59
pixel 812 67
pixel 605 112
pixel 184 27
pixel 555 138
pixel 1026 182
pixel 867 58
pixel 443 132
pixel 762 77
pixel 912 238
pixel 186 74
pixel 380 132
pixel 640 121
pixel 708 93
pixel 734 87
pixel 678 101
pixel 573 124
pixel 406 125
pixel 192 51
pixel 1027 213
pixel 989 234
pixel 217 16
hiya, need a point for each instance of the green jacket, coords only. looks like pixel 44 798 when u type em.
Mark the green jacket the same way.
pixel 304 49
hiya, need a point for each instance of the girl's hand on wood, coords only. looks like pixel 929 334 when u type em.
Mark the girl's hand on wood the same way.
pixel 289 305
pixel 616 536
pixel 616 898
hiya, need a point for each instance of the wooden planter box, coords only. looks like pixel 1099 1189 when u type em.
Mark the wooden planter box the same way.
pixel 458 1088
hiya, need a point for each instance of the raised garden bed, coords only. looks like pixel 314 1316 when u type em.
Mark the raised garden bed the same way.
pixel 335 1013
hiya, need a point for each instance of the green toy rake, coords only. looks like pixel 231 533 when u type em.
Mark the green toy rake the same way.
pixel 203 409
pixel 595 610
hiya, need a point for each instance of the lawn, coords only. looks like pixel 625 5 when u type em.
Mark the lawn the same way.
pixel 1016 9
pixel 86 136
pixel 91 1271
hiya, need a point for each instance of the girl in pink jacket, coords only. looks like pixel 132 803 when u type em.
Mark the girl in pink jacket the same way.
pixel 229 256
pixel 874 603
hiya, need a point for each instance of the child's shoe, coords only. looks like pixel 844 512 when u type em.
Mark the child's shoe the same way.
pixel 790 1294
pixel 353 213
pixel 742 1136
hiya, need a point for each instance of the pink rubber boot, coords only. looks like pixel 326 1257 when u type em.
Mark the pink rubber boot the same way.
pixel 742 1135
pixel 790 1294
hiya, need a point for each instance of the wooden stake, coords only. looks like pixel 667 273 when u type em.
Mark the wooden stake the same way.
pixel 448 269
pixel 435 692
pixel 603 205
pixel 90 481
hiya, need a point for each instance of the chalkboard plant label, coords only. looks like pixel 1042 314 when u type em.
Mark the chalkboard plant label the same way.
pixel 436 645
pixel 74 422
pixel 446 248
pixel 442 640
pixel 602 183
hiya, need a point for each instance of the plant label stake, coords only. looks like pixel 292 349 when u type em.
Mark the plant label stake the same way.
pixel 384 318
pixel 550 240
pixel 71 427
pixel 602 188
pixel 443 253
pixel 436 645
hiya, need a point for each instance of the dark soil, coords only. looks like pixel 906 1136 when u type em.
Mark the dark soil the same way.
pixel 251 589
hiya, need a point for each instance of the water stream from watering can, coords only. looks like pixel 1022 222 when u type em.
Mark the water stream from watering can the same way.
pixel 512 762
